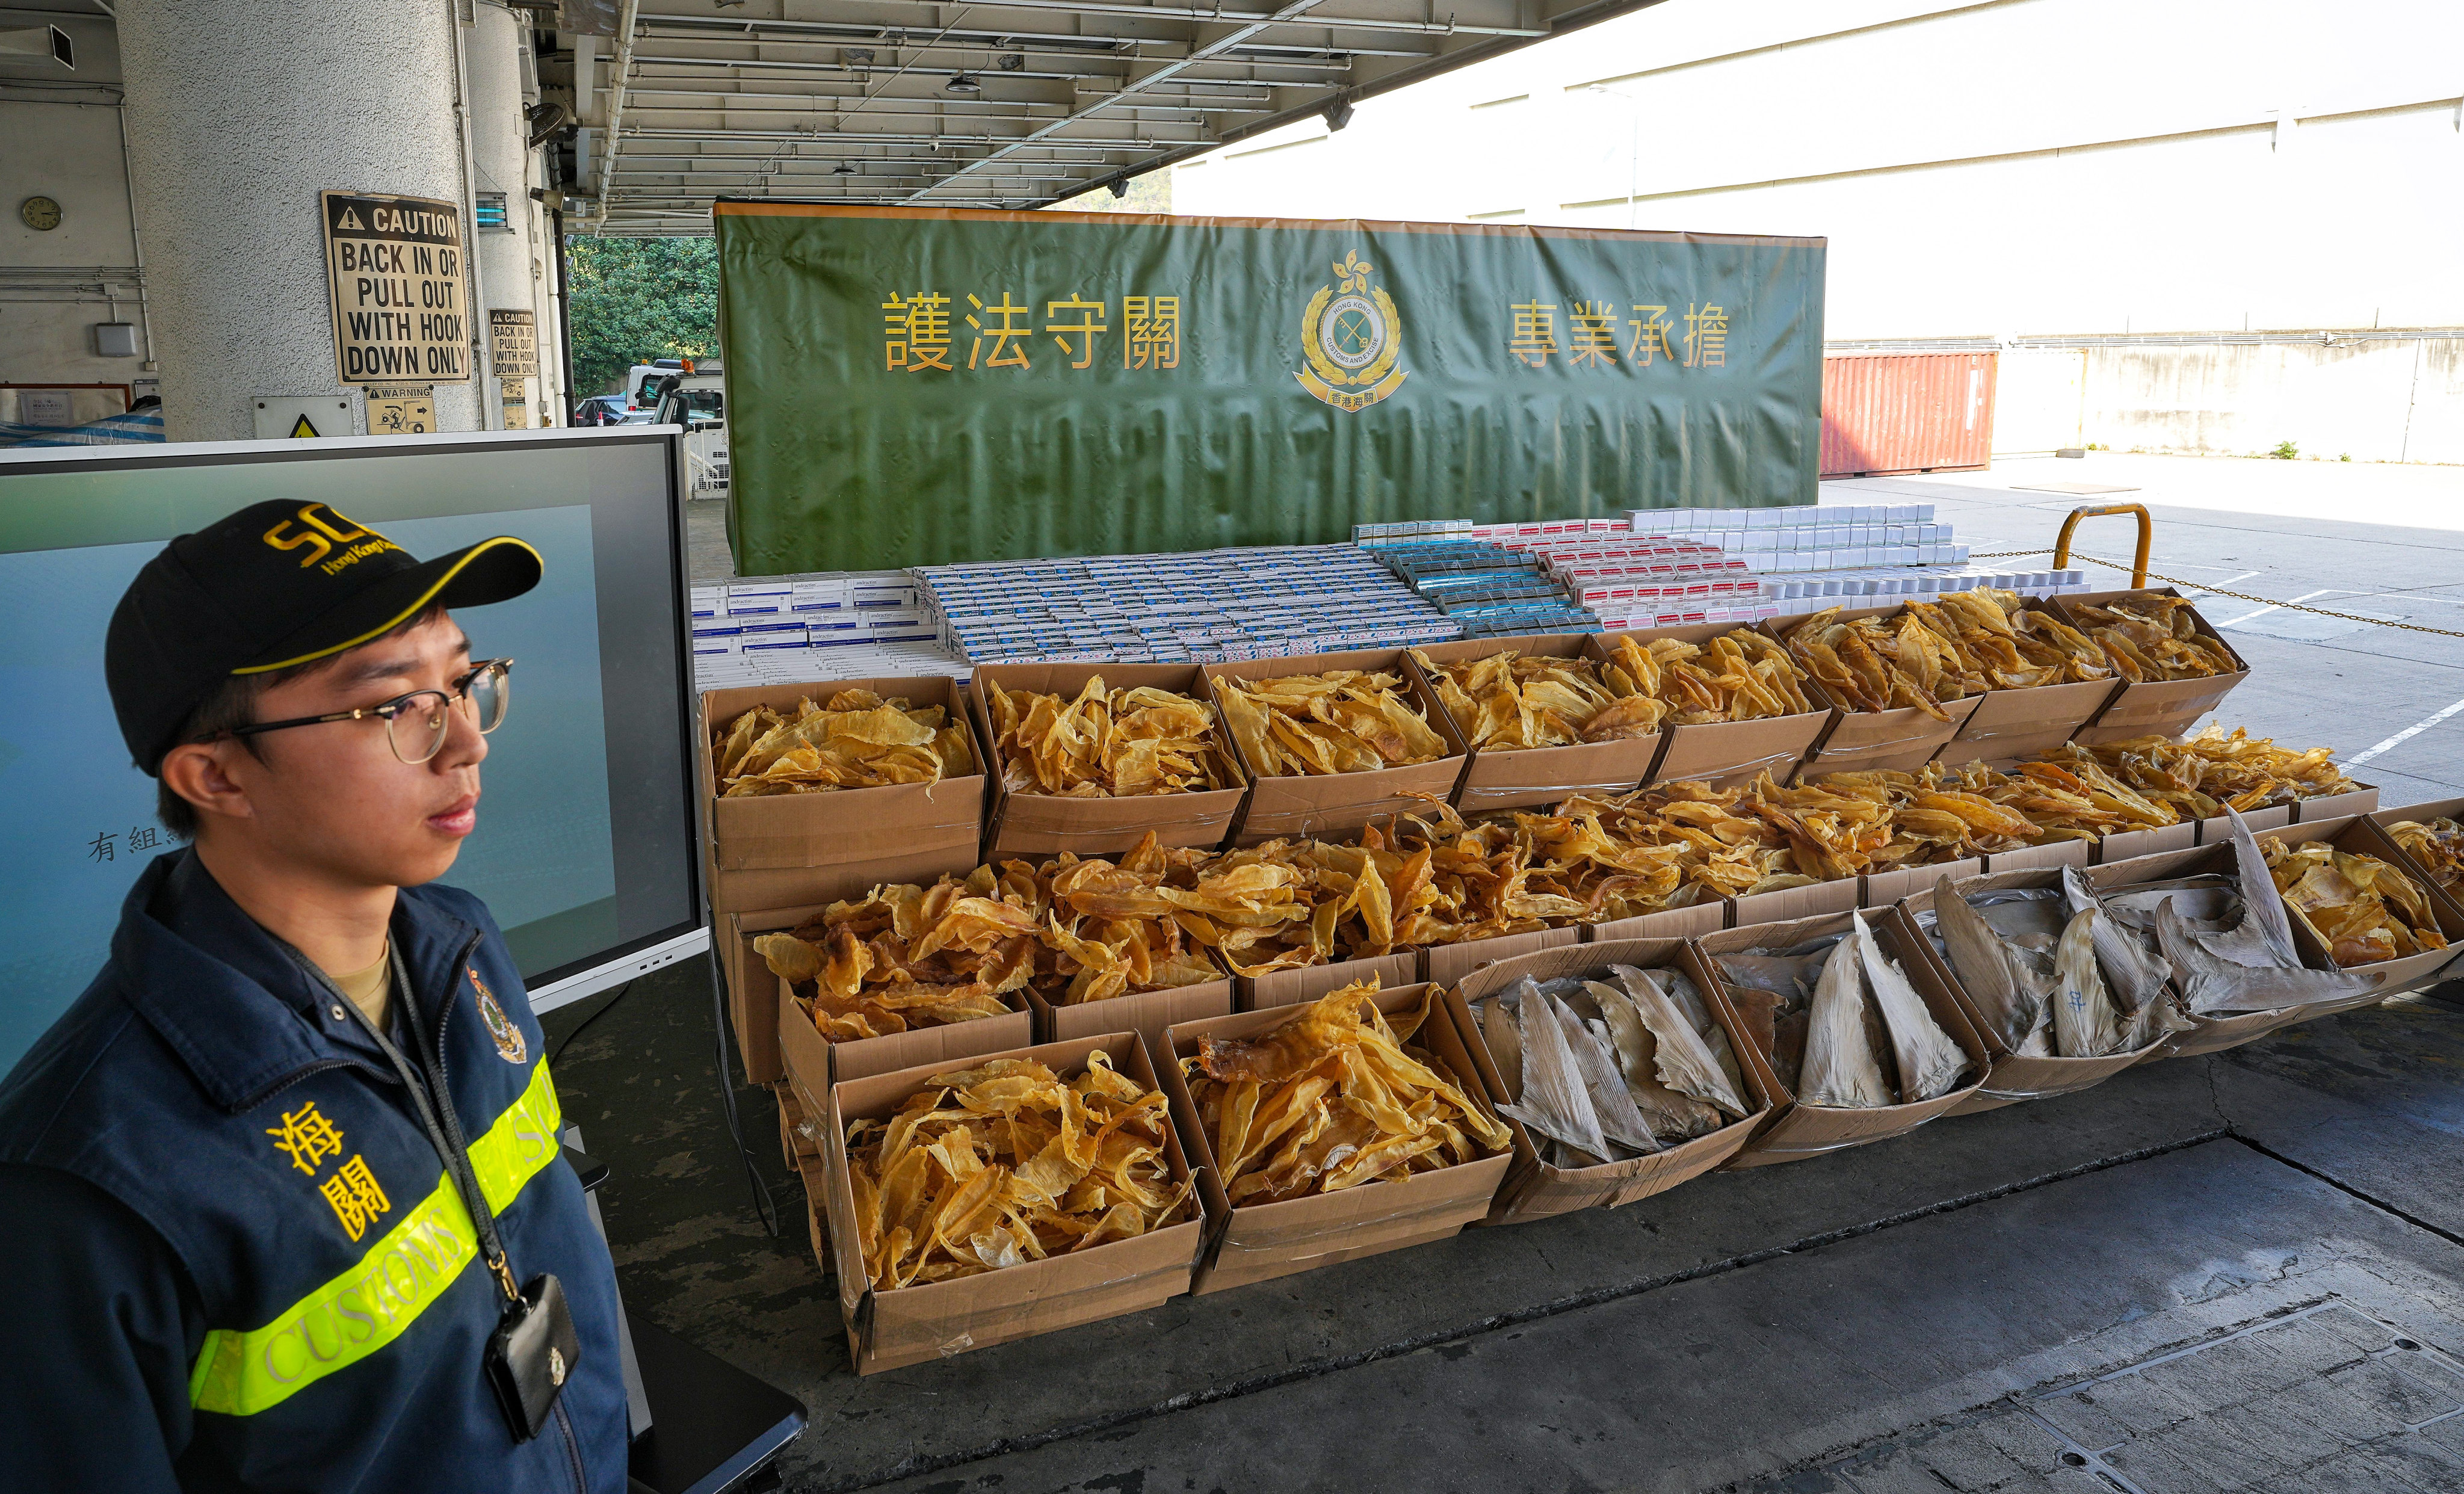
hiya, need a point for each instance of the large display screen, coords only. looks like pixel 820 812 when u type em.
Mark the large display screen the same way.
pixel 584 847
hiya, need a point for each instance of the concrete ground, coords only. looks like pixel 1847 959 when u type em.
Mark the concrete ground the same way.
pixel 2243 1271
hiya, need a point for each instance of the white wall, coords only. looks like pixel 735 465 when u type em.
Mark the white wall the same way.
pixel 61 131
pixel 2033 166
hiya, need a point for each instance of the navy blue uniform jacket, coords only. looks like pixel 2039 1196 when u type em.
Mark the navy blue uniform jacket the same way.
pixel 233 1257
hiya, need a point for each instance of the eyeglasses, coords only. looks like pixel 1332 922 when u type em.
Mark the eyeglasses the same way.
pixel 415 723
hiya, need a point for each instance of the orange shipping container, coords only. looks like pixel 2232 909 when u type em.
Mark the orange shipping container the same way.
pixel 1905 412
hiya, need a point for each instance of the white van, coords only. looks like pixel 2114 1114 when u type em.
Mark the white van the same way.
pixel 642 373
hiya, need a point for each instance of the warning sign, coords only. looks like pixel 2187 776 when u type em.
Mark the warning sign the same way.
pixel 401 410
pixel 400 308
pixel 513 343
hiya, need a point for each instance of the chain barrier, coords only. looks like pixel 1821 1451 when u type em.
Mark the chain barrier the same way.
pixel 2219 591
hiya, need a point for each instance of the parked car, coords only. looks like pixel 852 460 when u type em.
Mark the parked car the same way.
pixel 599 409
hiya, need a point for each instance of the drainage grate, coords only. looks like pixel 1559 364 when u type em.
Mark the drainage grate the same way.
pixel 2327 1397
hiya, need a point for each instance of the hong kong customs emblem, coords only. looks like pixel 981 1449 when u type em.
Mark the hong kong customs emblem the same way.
pixel 1352 336
pixel 510 1045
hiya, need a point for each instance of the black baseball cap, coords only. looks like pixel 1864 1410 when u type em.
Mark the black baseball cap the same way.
pixel 276 584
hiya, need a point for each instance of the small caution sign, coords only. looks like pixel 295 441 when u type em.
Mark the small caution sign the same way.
pixel 303 431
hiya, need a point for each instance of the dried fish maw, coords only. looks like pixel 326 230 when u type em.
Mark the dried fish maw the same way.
pixel 987 1168
pixel 2203 775
pixel 1682 1060
pixel 1842 1068
pixel 1116 743
pixel 1986 968
pixel 1344 721
pixel 1930 1064
pixel 1510 702
pixel 2437 846
pixel 1336 1062
pixel 1630 717
pixel 2084 1023
pixel 2363 910
pixel 857 741
pixel 789 957
pixel 2150 637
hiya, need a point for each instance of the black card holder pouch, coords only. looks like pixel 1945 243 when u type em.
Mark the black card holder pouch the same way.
pixel 531 1353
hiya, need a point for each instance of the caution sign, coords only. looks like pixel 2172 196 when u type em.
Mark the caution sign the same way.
pixel 401 309
pixel 303 431
pixel 513 343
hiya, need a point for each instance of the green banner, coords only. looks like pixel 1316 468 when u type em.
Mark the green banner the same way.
pixel 913 386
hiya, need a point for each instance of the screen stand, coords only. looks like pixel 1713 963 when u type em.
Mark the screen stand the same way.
pixel 717 1425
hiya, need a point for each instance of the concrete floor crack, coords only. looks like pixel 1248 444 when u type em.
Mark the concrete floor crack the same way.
pixel 2340 1186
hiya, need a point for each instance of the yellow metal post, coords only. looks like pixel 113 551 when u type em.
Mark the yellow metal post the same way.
pixel 2147 536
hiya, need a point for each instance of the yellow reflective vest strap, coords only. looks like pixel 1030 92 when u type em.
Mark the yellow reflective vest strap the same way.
pixel 242 1371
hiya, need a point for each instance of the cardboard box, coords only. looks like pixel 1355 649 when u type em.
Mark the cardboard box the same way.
pixel 2157 708
pixel 1796 1130
pixel 791 849
pixel 799 1134
pixel 1867 741
pixel 886 1330
pixel 1791 904
pixel 1882 888
pixel 2011 724
pixel 1259 1241
pixel 1873 741
pixel 1308 982
pixel 1046 824
pixel 1709 916
pixel 1495 780
pixel 1146 1013
pixel 2014 1078
pixel 1729 753
pixel 812 1063
pixel 2217 830
pixel 2021 723
pixel 2134 844
pixel 816 1180
pixel 2030 858
pixel 2364 799
pixel 2426 809
pixel 1324 808
pixel 1536 1189
pixel 1444 964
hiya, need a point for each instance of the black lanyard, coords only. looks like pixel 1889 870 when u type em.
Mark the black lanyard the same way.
pixel 445 1137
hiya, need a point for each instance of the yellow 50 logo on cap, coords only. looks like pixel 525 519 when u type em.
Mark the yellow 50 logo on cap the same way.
pixel 322 535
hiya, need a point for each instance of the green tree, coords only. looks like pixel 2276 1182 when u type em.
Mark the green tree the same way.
pixel 635 300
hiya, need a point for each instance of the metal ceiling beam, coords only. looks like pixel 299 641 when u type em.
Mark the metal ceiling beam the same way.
pixel 1230 37
pixel 1130 9
pixel 1107 88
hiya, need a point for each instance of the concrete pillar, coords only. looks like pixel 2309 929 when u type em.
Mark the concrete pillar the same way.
pixel 500 163
pixel 239 111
